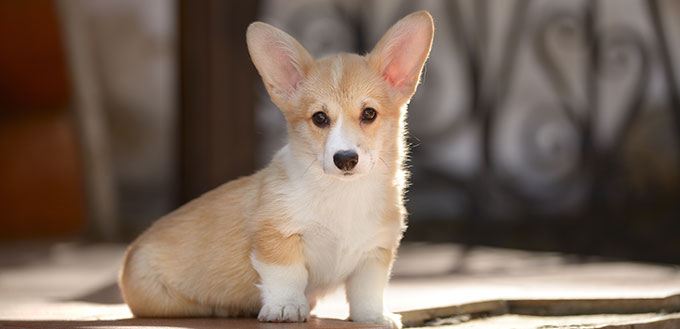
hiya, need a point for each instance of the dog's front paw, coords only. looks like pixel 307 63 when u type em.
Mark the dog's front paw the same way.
pixel 388 319
pixel 284 312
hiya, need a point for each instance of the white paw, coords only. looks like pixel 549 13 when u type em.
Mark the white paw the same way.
pixel 388 319
pixel 284 312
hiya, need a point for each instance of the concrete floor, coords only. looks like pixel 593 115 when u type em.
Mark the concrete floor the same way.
pixel 44 285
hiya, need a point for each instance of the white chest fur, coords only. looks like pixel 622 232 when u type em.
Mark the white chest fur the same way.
pixel 339 221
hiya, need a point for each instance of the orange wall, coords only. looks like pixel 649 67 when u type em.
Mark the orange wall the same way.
pixel 40 175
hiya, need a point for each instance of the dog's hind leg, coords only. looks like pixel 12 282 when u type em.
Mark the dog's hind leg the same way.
pixel 147 296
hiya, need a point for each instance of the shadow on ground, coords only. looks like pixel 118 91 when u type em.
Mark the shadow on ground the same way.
pixel 198 323
pixel 108 294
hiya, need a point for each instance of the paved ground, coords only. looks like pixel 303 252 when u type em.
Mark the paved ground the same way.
pixel 73 285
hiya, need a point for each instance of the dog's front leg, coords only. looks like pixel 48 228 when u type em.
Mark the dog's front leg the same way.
pixel 279 260
pixel 365 288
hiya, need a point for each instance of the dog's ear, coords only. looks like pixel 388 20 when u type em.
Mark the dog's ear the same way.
pixel 281 61
pixel 401 53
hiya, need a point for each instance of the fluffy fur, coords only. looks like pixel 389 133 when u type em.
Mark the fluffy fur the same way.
pixel 272 243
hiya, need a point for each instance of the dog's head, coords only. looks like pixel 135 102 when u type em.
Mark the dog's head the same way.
pixel 345 112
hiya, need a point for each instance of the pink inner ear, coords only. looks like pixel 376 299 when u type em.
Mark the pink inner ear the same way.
pixel 394 75
pixel 285 75
pixel 404 55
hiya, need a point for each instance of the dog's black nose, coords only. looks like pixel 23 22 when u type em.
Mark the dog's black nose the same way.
pixel 345 160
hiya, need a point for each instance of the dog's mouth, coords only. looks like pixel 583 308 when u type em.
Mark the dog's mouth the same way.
pixel 347 174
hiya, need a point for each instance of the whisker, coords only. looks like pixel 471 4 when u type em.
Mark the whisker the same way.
pixel 310 166
pixel 383 161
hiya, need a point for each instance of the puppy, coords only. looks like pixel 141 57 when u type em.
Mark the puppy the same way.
pixel 328 209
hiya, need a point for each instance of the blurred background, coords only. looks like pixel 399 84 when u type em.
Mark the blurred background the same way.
pixel 540 125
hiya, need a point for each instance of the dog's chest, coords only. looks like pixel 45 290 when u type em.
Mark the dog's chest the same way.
pixel 334 247
pixel 339 225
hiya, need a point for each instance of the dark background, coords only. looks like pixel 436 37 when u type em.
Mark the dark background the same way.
pixel 540 125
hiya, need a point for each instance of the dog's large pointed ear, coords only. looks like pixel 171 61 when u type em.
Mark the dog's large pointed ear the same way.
pixel 281 61
pixel 401 53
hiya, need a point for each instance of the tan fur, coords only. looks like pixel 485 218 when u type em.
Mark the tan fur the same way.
pixel 204 241
pixel 196 261
pixel 272 246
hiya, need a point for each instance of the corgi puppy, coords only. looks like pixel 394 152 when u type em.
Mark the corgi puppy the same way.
pixel 327 211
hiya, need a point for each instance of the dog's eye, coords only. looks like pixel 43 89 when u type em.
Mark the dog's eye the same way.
pixel 320 119
pixel 368 115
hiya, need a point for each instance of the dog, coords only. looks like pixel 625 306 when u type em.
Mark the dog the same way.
pixel 327 211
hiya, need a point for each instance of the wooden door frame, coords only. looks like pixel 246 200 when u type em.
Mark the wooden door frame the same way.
pixel 217 97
